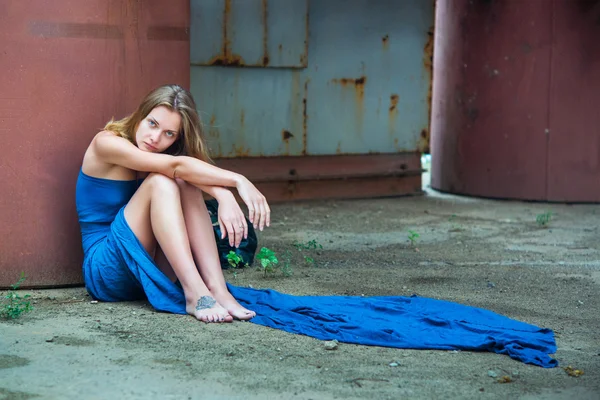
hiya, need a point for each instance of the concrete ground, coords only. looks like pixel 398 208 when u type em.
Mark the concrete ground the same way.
pixel 484 253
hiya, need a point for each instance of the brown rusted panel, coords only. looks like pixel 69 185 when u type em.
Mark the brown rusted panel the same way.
pixel 574 127
pixel 313 168
pixel 357 188
pixel 68 67
pixel 490 98
pixel 331 177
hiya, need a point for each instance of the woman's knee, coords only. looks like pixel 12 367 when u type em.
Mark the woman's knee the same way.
pixel 162 183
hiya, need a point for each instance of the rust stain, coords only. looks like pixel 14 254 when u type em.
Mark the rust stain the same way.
pixel 338 150
pixel 358 84
pixel 213 118
pixel 423 144
pixel 428 64
pixel 304 55
pixel 226 41
pixel 242 118
pixel 240 151
pixel 385 41
pixel 304 120
pixel 265 15
pixel 393 113
pixel 227 57
pixel 393 102
pixel 286 135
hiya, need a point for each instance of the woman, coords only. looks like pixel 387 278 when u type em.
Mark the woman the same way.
pixel 141 211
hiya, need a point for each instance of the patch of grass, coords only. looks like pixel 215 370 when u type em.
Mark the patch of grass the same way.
pixel 13 305
pixel 310 245
pixel 543 219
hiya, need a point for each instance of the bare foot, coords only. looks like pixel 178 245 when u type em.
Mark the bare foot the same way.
pixel 207 309
pixel 233 307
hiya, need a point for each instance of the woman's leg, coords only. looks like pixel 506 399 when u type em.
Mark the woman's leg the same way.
pixel 204 249
pixel 154 213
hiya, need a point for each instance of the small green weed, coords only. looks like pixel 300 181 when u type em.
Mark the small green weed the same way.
pixel 543 219
pixel 413 236
pixel 268 260
pixel 310 245
pixel 235 260
pixel 14 305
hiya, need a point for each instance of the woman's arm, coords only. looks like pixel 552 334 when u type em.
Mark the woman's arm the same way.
pixel 119 151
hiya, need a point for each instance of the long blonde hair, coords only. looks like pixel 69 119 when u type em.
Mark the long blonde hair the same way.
pixel 191 136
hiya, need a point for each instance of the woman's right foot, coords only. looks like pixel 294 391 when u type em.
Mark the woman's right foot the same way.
pixel 206 309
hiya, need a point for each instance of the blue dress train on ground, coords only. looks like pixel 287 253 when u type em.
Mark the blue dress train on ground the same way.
pixel 116 267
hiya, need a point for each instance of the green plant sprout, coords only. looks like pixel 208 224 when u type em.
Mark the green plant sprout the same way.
pixel 235 260
pixel 268 260
pixel 14 305
pixel 413 236
pixel 544 218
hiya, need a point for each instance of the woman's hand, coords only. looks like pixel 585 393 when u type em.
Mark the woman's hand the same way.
pixel 231 220
pixel 259 212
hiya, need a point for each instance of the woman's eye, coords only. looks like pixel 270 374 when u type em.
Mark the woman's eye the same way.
pixel 170 134
pixel 152 123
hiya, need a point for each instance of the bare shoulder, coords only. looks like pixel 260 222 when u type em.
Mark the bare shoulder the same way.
pixel 104 136
pixel 96 163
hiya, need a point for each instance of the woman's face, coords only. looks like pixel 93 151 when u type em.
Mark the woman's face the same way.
pixel 159 130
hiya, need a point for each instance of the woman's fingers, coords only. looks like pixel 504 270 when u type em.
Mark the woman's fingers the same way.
pixel 251 214
pixel 231 233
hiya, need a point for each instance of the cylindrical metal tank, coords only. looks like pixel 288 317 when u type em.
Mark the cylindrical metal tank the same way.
pixel 67 67
pixel 516 90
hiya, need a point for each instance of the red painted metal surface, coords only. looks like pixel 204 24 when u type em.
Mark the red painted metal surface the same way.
pixel 490 97
pixel 574 137
pixel 68 66
pixel 516 90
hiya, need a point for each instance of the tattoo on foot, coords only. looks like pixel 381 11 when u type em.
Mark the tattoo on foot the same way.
pixel 205 302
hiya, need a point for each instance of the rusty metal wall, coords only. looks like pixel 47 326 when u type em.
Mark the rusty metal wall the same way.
pixel 67 67
pixel 515 95
pixel 354 78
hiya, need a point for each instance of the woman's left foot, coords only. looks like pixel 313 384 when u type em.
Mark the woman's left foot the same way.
pixel 232 306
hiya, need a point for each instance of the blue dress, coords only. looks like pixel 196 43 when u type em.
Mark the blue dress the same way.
pixel 116 267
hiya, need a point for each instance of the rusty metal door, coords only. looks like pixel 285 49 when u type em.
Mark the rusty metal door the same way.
pixel 315 98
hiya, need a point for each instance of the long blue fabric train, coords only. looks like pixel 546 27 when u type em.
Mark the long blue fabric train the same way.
pixel 117 267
